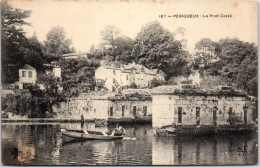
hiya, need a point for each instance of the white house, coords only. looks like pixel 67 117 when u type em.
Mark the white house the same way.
pixel 27 76
pixel 75 55
pixel 53 69
pixel 116 77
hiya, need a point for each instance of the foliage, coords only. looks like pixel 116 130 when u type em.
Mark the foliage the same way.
pixel 155 82
pixel 13 41
pixel 133 85
pixel 155 47
pixel 17 50
pixel 109 34
pixel 237 64
pixel 49 82
pixel 56 44
pixel 78 74
pixel 207 52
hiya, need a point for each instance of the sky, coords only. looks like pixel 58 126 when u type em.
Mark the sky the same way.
pixel 83 20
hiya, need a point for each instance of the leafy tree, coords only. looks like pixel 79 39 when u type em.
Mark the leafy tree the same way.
pixel 155 47
pixel 34 54
pixel 207 52
pixel 179 34
pixel 78 75
pixel 13 41
pixel 56 44
pixel 92 49
pixel 109 34
pixel 239 62
pixel 155 82
pixel 133 85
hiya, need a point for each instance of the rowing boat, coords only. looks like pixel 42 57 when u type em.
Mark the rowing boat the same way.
pixel 80 134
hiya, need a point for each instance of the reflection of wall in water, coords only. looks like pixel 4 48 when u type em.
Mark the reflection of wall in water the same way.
pixel 205 151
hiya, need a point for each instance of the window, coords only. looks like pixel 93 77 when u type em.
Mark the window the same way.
pixel 114 80
pixel 114 72
pixel 230 110
pixel 30 74
pixel 111 111
pixel 134 111
pixel 145 110
pixel 123 110
pixel 126 77
pixel 179 114
pixel 23 73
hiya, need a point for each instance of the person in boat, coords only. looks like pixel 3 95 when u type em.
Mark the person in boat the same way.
pixel 118 131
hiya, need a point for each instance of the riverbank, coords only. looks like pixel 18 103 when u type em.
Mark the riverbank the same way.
pixel 72 120
pixel 194 130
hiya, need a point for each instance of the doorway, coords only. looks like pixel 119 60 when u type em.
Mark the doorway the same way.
pixel 198 115
pixel 179 114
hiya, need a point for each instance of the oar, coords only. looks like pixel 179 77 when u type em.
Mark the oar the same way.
pixel 129 138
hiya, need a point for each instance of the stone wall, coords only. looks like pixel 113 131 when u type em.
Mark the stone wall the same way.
pixel 125 108
pixel 99 107
pixel 181 109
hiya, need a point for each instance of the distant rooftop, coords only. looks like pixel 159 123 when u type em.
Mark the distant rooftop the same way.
pixel 74 54
pixel 28 67
pixel 138 67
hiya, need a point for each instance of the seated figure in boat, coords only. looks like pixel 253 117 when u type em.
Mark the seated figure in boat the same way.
pixel 118 131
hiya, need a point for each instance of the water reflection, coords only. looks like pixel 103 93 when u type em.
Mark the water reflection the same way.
pixel 44 145
pixel 220 150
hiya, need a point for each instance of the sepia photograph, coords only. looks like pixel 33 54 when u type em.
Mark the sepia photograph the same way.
pixel 129 82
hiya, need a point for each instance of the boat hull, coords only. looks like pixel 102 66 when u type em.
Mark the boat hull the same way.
pixel 90 136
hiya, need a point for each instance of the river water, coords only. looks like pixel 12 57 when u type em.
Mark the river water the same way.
pixel 43 144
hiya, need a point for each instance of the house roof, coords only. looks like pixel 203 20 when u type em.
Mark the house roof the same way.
pixel 127 68
pixel 28 67
pixel 74 54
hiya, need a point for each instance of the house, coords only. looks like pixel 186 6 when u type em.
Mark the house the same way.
pixel 53 69
pixel 82 55
pixel 188 105
pixel 27 76
pixel 115 77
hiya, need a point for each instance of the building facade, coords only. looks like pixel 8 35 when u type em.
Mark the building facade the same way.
pixel 180 106
pixel 117 77
pixel 106 107
pixel 27 76
pixel 82 55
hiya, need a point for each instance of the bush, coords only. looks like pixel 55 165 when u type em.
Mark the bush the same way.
pixel 155 82
pixel 133 85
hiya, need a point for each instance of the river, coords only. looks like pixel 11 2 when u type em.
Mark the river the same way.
pixel 43 144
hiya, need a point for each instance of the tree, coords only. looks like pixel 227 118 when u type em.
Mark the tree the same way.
pixel 179 34
pixel 133 85
pixel 155 47
pixel 33 53
pixel 56 43
pixel 155 82
pixel 239 62
pixel 124 47
pixel 13 41
pixel 92 49
pixel 109 34
pixel 207 52
pixel 78 75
